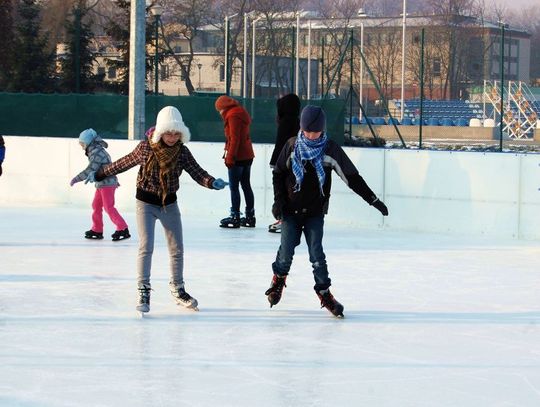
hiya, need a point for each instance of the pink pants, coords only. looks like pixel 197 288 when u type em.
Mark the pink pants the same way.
pixel 104 199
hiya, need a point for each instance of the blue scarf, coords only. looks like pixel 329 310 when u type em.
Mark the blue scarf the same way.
pixel 308 150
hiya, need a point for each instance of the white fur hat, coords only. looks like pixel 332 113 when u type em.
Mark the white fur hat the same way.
pixel 170 119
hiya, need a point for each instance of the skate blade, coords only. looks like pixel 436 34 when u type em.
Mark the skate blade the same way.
pixel 274 230
pixel 120 238
pixel 229 226
pixel 142 314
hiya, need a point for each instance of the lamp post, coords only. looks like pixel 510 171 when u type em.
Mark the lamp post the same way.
pixel 199 66
pixel 403 60
pixel 253 53
pixel 227 84
pixel 309 62
pixel 136 71
pixel 297 65
pixel 156 10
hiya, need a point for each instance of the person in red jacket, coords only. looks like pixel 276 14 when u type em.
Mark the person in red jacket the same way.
pixel 238 158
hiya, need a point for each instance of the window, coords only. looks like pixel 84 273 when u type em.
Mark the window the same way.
pixel 101 71
pixel 222 73
pixel 112 73
pixel 436 67
pixel 164 72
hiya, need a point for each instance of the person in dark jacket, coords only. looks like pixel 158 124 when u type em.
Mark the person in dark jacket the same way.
pixel 302 183
pixel 288 125
pixel 238 158
pixel 2 152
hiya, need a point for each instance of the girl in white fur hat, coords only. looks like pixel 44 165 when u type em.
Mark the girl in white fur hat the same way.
pixel 94 148
pixel 162 158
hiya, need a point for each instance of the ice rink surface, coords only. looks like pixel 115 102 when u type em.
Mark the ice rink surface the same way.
pixel 430 320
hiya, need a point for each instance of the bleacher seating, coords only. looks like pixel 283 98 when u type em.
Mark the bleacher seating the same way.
pixel 439 113
pixel 442 112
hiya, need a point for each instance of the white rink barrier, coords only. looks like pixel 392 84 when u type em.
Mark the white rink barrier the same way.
pixel 492 194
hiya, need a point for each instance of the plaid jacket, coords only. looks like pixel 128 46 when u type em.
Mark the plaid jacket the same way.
pixel 140 155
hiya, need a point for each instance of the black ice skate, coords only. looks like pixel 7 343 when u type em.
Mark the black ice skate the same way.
pixel 330 303
pixel 90 234
pixel 231 222
pixel 182 297
pixel 276 289
pixel 120 235
pixel 249 220
pixel 143 305
pixel 275 227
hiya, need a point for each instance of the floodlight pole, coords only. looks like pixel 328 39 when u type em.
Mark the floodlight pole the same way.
pixel 253 54
pixel 309 62
pixel 136 70
pixel 297 67
pixel 403 60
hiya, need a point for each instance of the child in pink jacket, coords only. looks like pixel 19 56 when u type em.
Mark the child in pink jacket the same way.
pixel 94 148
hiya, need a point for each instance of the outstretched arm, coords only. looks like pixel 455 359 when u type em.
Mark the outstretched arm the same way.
pixel 136 157
pixel 195 171
pixel 349 174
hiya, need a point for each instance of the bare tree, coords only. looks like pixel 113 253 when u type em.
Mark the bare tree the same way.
pixel 337 17
pixel 453 28
pixel 186 21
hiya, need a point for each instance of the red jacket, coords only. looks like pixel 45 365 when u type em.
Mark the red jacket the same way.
pixel 238 145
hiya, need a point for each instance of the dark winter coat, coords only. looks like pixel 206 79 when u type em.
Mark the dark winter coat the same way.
pixel 2 152
pixel 288 123
pixel 238 146
pixel 309 200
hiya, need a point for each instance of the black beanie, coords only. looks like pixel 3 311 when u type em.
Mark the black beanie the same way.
pixel 313 118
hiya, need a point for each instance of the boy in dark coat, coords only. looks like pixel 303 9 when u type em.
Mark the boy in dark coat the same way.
pixel 288 125
pixel 302 183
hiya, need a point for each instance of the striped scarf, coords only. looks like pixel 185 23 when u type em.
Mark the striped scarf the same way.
pixel 163 160
pixel 308 150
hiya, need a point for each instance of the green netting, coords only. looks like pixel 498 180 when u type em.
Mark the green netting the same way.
pixel 58 115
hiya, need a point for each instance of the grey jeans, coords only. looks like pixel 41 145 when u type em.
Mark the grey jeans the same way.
pixel 169 216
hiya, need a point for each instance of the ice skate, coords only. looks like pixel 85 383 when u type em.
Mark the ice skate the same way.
pixel 183 298
pixel 249 220
pixel 275 227
pixel 120 235
pixel 143 305
pixel 231 222
pixel 330 303
pixel 90 234
pixel 276 289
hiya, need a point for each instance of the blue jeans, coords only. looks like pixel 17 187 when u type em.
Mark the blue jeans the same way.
pixel 291 232
pixel 240 175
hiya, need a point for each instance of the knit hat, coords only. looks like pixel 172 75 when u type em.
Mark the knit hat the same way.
pixel 313 118
pixel 170 119
pixel 87 136
pixel 225 102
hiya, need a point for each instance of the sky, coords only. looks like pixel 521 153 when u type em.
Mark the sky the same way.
pixel 430 320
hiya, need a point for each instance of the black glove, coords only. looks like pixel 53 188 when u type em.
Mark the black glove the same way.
pixel 277 211
pixel 0 167
pixel 380 206
pixel 100 175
